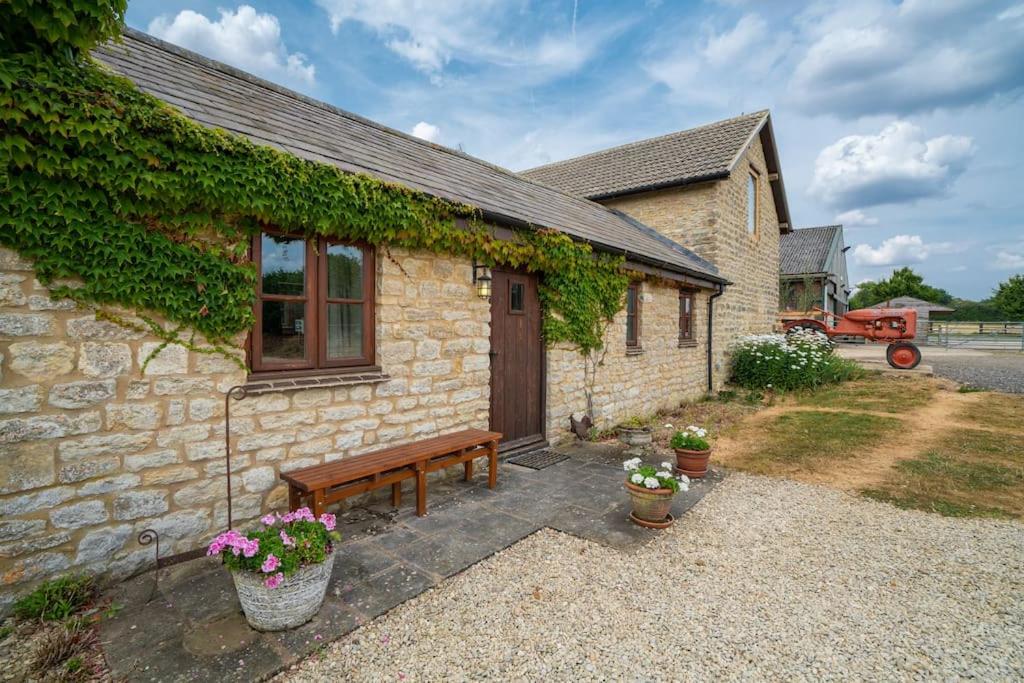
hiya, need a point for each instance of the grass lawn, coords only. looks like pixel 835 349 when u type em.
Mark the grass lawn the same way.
pixel 970 473
pixel 937 449
pixel 811 441
pixel 996 411
pixel 878 393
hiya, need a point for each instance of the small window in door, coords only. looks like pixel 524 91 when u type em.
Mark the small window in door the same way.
pixel 516 297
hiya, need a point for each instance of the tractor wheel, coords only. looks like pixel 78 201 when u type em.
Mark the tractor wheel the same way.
pixel 903 355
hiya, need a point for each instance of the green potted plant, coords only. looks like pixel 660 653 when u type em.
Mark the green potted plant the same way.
pixel 692 451
pixel 281 570
pixel 636 434
pixel 651 491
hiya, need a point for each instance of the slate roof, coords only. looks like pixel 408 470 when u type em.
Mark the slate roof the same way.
pixel 703 153
pixel 219 96
pixel 806 250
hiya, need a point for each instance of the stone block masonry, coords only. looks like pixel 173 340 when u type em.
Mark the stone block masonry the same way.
pixel 660 376
pixel 711 219
pixel 92 451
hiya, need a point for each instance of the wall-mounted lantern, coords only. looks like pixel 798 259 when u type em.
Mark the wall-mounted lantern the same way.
pixel 482 281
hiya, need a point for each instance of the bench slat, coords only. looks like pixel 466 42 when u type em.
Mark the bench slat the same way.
pixel 342 471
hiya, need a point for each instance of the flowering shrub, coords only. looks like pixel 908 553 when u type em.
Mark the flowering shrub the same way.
pixel 651 477
pixel 691 439
pixel 284 544
pixel 786 362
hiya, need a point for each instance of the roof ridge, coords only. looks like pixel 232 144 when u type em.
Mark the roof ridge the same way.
pixel 819 227
pixel 761 113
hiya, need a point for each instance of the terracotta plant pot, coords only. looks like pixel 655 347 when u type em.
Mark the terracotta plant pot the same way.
pixel 650 505
pixel 693 464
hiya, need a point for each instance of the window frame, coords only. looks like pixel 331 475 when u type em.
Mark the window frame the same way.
pixel 753 201
pixel 633 343
pixel 316 301
pixel 686 333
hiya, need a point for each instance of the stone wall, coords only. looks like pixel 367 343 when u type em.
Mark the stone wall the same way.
pixel 711 219
pixel 627 383
pixel 92 450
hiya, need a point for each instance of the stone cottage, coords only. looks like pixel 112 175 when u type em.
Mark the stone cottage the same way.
pixel 715 189
pixel 353 349
pixel 813 270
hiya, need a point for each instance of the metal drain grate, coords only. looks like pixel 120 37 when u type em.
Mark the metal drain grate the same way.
pixel 539 459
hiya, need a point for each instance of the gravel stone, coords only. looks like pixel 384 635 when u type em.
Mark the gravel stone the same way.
pixel 1002 371
pixel 764 580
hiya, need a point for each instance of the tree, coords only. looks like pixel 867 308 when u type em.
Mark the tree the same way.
pixel 1009 298
pixel 902 282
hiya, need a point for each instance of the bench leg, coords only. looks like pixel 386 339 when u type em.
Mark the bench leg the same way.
pixel 469 470
pixel 421 490
pixel 294 499
pixel 492 464
pixel 318 502
pixel 396 494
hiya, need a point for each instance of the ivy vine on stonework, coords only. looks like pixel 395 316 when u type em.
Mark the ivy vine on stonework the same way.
pixel 151 211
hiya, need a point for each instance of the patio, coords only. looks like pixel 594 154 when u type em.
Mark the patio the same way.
pixel 189 626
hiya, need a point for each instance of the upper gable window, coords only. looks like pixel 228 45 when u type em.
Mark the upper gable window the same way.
pixel 752 202
pixel 315 304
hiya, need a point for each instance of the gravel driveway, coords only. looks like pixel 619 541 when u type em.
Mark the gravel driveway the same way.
pixel 765 578
pixel 1000 371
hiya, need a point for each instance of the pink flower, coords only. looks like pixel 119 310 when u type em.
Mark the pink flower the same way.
pixel 269 520
pixel 250 548
pixel 328 520
pixel 286 539
pixel 270 564
pixel 274 581
pixel 304 513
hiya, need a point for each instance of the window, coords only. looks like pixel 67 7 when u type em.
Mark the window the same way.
pixel 633 316
pixel 314 308
pixel 685 317
pixel 752 202
pixel 516 298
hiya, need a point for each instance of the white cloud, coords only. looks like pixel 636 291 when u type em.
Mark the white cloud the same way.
pixel 427 131
pixel 430 35
pixel 900 250
pixel 874 57
pixel 897 165
pixel 1009 260
pixel 718 67
pixel 855 218
pixel 242 38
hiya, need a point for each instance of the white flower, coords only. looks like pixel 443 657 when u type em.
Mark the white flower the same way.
pixel 652 483
pixel 637 478
pixel 631 464
pixel 667 465
pixel 684 486
pixel 663 474
pixel 683 479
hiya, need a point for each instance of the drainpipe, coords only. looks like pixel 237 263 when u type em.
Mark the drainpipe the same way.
pixel 711 327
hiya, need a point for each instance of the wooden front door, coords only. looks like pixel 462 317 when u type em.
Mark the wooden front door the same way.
pixel 517 360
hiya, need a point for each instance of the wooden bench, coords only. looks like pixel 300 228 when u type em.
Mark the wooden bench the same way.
pixel 334 481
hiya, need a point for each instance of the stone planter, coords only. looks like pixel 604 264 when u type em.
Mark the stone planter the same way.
pixel 291 604
pixel 638 441
pixel 650 506
pixel 693 464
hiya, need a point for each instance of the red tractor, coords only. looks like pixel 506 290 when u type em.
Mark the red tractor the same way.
pixel 892 326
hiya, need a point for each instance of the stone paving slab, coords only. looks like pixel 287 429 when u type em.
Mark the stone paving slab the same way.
pixel 189 626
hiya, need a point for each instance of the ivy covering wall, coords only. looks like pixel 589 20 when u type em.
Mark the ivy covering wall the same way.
pixel 149 210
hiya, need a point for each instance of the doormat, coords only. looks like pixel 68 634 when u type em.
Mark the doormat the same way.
pixel 538 459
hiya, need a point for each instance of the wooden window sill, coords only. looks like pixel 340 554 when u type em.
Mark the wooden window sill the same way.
pixel 634 351
pixel 265 385
pixel 688 344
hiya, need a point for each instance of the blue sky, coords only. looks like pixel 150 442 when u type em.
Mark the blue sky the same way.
pixel 901 120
